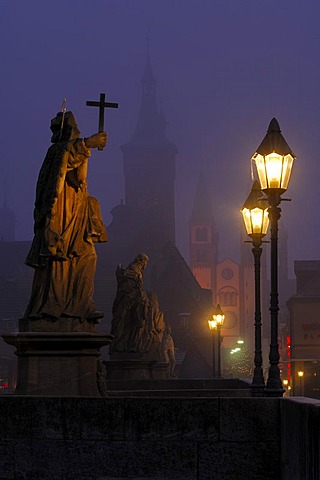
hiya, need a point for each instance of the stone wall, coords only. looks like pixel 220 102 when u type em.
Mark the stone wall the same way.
pixel 300 439
pixel 139 438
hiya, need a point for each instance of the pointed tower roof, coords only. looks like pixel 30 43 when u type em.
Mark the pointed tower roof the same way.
pixel 202 208
pixel 148 78
pixel 151 124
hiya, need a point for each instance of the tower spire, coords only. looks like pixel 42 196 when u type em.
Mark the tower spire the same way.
pixel 148 79
pixel 149 170
pixel 151 123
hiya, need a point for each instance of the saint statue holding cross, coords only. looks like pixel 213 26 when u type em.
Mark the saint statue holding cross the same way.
pixel 67 223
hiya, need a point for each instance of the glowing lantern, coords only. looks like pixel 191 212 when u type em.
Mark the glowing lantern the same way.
pixel 274 160
pixel 255 213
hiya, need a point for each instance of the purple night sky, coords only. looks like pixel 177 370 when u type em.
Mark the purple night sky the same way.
pixel 224 68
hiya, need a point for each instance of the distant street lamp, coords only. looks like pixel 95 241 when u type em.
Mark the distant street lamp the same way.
pixel 286 385
pixel 300 375
pixel 218 317
pixel 213 328
pixel 274 160
pixel 256 220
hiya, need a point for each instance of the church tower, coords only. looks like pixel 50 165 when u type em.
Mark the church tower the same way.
pixel 149 171
pixel 203 239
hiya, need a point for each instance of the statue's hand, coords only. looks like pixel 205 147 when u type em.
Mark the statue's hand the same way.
pixel 98 140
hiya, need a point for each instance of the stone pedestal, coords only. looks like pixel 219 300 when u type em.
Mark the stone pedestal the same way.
pixel 57 364
pixel 131 366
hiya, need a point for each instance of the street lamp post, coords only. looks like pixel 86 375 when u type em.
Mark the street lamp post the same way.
pixel 213 328
pixel 218 317
pixel 255 216
pixel 274 160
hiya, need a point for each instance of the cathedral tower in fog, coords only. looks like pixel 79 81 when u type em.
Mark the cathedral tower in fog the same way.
pixel 203 239
pixel 149 171
pixel 145 222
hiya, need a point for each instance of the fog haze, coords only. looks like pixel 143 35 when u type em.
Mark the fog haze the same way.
pixel 224 68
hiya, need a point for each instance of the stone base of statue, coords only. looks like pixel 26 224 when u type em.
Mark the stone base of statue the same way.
pixel 52 363
pixel 135 366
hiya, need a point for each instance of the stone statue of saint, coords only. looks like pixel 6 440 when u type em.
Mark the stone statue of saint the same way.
pixel 137 323
pixel 67 223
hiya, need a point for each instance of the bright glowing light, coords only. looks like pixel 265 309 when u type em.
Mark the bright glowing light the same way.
pixel 273 165
pixel 218 316
pixel 255 212
pixel 235 350
pixel 240 342
pixel 219 319
pixel 212 324
pixel 300 373
pixel 274 170
pixel 256 220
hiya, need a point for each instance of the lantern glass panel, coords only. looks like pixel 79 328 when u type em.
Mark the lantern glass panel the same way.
pixel 265 223
pixel 261 170
pixel 247 220
pixel 273 165
pixel 257 220
pixel 286 173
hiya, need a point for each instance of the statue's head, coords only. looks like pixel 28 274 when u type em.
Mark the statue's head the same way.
pixel 69 130
pixel 142 259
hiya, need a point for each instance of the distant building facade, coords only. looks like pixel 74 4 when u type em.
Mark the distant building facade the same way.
pixel 303 338
pixel 228 297
pixel 203 239
pixel 232 283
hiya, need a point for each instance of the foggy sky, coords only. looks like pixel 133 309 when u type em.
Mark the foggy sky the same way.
pixel 224 68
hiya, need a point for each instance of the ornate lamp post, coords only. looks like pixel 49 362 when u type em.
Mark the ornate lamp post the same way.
pixel 218 317
pixel 213 328
pixel 256 220
pixel 274 160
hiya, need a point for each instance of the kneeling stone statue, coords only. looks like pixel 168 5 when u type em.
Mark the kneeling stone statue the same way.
pixel 138 323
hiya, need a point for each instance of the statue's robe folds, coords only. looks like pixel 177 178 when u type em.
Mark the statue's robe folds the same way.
pixel 137 323
pixel 67 224
pixel 129 311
